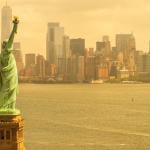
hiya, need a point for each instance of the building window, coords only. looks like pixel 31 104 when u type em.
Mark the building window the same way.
pixel 13 134
pixel 52 35
pixel 7 135
pixel 2 135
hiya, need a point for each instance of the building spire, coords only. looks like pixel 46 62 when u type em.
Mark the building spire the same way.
pixel 6 3
pixel 149 47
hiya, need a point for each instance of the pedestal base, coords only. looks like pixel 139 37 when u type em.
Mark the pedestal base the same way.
pixel 9 112
pixel 11 132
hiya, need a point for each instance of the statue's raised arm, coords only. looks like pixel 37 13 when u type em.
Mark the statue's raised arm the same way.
pixel 9 43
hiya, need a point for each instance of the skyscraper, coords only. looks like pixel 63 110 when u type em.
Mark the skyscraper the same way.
pixel 66 47
pixel 18 57
pixel 140 59
pixel 54 43
pixel 6 22
pixel 80 69
pixel 125 44
pixel 29 60
pixel 104 47
pixel 91 68
pixel 77 46
pixel 72 68
pixel 100 46
pixel 40 66
pixel 147 63
pixel 62 61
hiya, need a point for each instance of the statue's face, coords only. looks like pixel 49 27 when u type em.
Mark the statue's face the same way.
pixel 4 44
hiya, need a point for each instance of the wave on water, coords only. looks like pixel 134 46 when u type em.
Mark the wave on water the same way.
pixel 104 129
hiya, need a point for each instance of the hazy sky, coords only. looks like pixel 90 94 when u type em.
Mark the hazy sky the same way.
pixel 89 19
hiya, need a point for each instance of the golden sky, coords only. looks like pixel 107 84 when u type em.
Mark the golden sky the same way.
pixel 90 19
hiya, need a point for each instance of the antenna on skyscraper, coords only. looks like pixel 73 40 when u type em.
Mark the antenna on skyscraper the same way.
pixel 149 47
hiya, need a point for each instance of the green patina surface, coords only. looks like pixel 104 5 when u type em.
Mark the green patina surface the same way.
pixel 8 76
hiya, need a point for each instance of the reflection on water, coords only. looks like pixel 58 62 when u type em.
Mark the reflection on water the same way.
pixel 86 116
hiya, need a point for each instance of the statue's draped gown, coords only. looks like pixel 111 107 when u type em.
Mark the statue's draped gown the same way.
pixel 8 76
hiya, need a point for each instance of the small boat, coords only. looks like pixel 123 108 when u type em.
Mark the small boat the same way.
pixel 96 82
pixel 130 82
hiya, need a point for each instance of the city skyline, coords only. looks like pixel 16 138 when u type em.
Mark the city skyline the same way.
pixel 81 20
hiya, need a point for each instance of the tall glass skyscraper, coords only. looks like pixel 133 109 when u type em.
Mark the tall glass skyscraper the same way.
pixel 54 43
pixel 6 22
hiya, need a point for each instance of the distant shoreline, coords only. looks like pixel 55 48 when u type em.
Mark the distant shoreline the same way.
pixel 83 83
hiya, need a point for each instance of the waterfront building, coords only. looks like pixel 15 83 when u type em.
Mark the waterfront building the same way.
pixel 54 42
pixel 114 70
pixel 53 71
pixel 47 69
pixel 124 74
pixel 66 47
pixel 125 44
pixel 30 66
pixel 76 68
pixel 99 59
pixel 114 54
pixel 40 66
pixel 147 63
pixel 102 71
pixel 132 66
pixel 31 71
pixel 62 61
pixel 62 68
pixel 72 68
pixel 139 60
pixel 29 60
pixel 18 57
pixel 120 58
pixel 91 52
pixel 77 46
pixel 107 50
pixel 80 69
pixel 142 62
pixel 86 55
pixel 105 38
pixel 91 68
pixel 100 46
pixel 104 47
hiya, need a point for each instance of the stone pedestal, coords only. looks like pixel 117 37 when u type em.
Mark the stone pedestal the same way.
pixel 11 133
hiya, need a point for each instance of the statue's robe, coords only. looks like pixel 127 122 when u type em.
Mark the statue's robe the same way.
pixel 8 79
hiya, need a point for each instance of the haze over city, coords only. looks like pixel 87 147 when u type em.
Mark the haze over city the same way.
pixel 86 19
pixel 83 73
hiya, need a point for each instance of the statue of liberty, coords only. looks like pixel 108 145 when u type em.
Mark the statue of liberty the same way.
pixel 8 75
